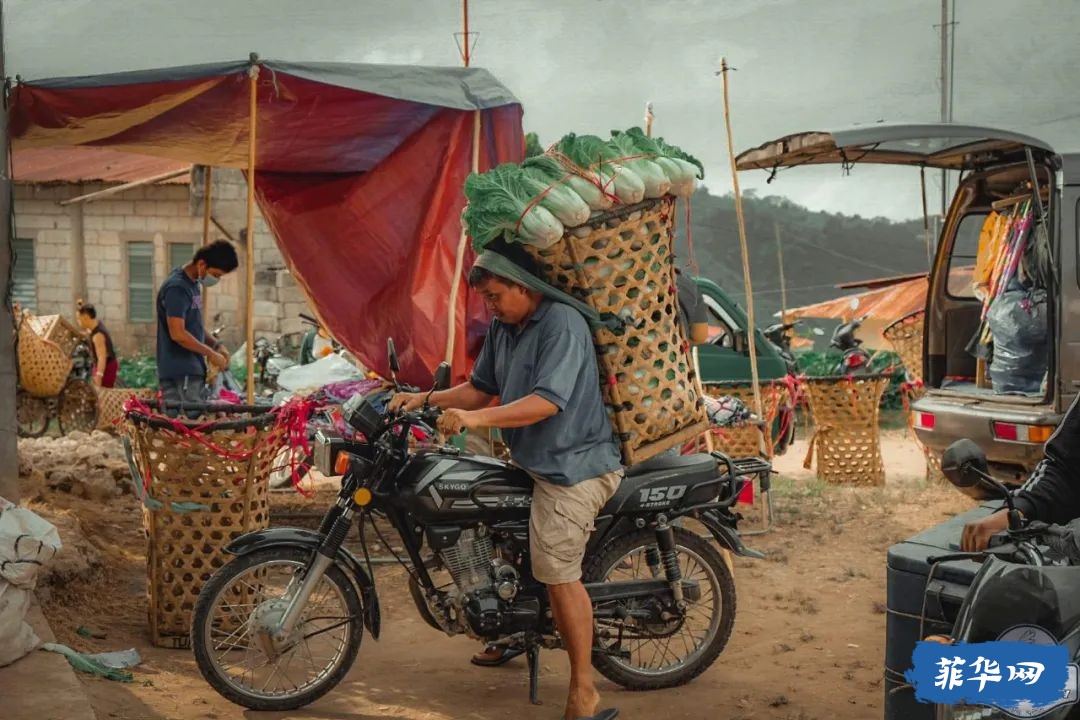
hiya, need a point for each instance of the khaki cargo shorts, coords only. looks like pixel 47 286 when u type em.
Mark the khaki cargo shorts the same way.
pixel 560 523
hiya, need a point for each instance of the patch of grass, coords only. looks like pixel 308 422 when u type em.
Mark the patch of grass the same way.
pixel 778 701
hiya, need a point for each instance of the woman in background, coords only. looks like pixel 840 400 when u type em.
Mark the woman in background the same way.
pixel 101 347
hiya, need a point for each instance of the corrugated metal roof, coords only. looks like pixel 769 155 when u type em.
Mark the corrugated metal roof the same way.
pixel 90 164
pixel 876 283
pixel 887 303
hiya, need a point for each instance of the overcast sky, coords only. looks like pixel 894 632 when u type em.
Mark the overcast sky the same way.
pixel 590 65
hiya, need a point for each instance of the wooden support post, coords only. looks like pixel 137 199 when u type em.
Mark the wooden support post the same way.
pixel 253 78
pixel 208 179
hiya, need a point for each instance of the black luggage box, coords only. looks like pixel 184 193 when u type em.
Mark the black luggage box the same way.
pixel 908 592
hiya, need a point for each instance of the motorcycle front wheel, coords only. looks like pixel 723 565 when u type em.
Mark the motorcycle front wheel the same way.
pixel 643 655
pixel 233 638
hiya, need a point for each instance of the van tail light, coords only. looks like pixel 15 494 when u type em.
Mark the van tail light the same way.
pixel 925 420
pixel 1015 432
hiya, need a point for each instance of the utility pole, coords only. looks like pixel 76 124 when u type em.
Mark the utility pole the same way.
pixel 948 39
pixel 9 456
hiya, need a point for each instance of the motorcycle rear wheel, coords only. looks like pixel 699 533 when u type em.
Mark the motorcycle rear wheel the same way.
pixel 655 662
pixel 224 641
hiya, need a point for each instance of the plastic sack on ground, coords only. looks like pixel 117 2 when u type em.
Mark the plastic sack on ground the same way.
pixel 1018 322
pixel 27 543
pixel 330 369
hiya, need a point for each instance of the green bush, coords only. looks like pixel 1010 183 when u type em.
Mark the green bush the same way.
pixel 813 363
pixel 138 372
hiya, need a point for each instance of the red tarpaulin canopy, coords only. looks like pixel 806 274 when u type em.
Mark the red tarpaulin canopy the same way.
pixel 359 173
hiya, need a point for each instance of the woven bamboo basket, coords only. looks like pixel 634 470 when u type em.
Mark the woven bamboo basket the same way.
pixel 111 401
pixel 846 437
pixel 906 337
pixel 43 365
pixel 621 264
pixel 744 441
pixel 185 548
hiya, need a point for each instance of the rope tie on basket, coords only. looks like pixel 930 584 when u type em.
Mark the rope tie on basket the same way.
pixel 820 431
pixel 691 255
pixel 504 267
pixel 588 174
pixel 290 419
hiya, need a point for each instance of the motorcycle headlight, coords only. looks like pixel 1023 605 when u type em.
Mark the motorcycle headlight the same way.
pixel 969 712
pixel 324 452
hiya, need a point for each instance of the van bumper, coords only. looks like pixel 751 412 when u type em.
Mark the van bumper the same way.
pixel 957 418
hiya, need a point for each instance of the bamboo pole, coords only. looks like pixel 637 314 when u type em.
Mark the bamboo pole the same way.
pixel 253 80
pixel 752 330
pixel 463 240
pixel 207 209
pixel 764 434
pixel 780 261
pixel 117 189
pixel 208 180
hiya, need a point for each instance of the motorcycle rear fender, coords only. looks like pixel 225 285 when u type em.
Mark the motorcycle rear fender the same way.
pixel 726 535
pixel 308 540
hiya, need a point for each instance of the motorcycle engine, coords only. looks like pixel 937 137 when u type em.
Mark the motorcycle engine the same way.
pixel 485 588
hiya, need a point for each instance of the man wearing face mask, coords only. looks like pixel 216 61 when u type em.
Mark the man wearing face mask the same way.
pixel 183 347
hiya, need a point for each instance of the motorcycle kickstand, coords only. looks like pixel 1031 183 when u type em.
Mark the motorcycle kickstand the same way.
pixel 532 654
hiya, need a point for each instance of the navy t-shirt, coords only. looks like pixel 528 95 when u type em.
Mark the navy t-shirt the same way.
pixel 552 356
pixel 179 296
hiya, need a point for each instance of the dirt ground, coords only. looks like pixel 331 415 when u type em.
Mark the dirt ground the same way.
pixel 808 640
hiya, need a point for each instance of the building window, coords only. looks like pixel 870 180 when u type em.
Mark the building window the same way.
pixel 140 262
pixel 24 275
pixel 180 254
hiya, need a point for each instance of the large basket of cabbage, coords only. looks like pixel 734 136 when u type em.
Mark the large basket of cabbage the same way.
pixel 610 246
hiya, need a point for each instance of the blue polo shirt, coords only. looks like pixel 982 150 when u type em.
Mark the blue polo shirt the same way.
pixel 552 356
pixel 179 296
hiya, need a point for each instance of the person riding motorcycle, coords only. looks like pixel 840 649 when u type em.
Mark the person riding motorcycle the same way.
pixel 1052 492
pixel 538 359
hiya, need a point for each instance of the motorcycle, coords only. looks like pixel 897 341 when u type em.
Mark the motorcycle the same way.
pixel 1027 588
pixel 780 336
pixel 855 360
pixel 662 596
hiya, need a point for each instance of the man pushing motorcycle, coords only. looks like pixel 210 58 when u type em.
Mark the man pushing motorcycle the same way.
pixel 1052 492
pixel 538 359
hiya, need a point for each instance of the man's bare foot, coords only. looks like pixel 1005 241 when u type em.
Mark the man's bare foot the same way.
pixel 582 702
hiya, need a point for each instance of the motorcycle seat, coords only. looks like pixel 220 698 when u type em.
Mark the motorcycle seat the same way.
pixel 662 471
pixel 682 464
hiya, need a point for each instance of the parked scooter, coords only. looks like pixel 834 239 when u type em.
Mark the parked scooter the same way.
pixel 780 336
pixel 1027 589
pixel 855 360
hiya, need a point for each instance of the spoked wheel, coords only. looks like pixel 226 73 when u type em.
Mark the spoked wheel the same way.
pixel 669 649
pixel 233 640
pixel 77 409
pixel 32 414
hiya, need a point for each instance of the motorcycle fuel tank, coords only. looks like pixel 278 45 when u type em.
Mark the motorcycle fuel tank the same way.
pixel 441 486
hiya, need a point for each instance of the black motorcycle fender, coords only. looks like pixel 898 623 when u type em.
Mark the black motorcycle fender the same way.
pixel 308 540
pixel 726 535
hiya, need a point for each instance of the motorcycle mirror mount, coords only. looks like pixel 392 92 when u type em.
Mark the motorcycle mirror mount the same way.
pixel 392 359
pixel 964 464
pixel 442 381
